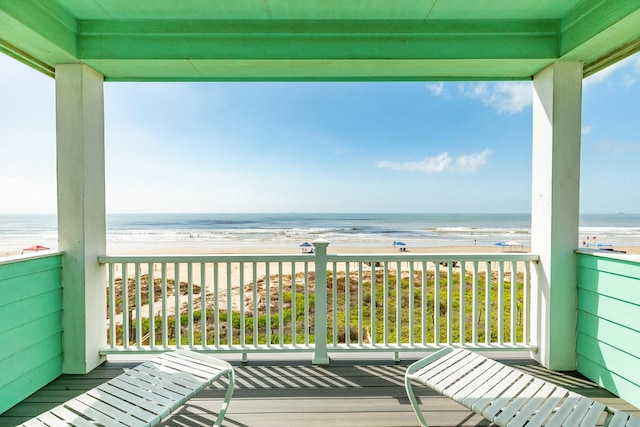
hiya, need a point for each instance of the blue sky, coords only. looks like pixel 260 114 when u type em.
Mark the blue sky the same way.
pixel 320 147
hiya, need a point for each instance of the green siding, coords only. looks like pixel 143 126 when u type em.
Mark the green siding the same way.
pixel 30 326
pixel 608 335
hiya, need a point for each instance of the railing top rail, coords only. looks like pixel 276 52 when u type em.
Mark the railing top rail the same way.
pixel 207 258
pixel 435 257
pixel 400 257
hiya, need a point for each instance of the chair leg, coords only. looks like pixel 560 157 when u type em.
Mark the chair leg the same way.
pixel 414 402
pixel 227 399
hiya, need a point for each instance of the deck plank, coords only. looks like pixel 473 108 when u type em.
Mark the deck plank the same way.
pixel 276 393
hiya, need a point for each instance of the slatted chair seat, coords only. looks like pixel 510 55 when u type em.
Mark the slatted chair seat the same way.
pixel 506 396
pixel 144 395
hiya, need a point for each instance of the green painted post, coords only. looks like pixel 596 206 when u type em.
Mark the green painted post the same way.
pixel 320 356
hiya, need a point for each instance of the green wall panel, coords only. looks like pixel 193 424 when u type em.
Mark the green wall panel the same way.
pixel 30 326
pixel 619 267
pixel 614 310
pixel 611 359
pixel 609 380
pixel 608 332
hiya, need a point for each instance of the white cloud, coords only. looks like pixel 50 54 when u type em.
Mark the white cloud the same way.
pixel 609 147
pixel 504 97
pixel 472 162
pixel 586 130
pixel 436 89
pixel 441 163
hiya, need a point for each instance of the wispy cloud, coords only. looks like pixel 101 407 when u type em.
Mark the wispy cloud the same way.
pixel 586 130
pixel 609 147
pixel 504 97
pixel 472 162
pixel 441 163
pixel 436 89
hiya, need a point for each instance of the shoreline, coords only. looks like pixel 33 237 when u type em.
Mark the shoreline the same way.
pixel 167 250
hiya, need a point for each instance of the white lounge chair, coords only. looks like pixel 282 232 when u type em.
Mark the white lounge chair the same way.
pixel 506 396
pixel 144 395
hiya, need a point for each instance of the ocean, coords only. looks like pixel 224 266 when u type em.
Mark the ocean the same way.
pixel 291 229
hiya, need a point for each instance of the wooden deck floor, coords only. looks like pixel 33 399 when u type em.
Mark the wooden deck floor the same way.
pixel 296 393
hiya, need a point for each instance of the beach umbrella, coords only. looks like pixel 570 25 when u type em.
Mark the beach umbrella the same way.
pixel 36 248
pixel 401 244
pixel 307 248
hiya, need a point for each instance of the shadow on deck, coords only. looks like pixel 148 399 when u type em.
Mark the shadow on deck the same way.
pixel 296 393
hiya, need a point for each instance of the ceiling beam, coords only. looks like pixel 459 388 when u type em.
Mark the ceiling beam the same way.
pixel 40 34
pixel 306 40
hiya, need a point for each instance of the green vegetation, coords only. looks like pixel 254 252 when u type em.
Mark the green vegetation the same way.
pixel 393 298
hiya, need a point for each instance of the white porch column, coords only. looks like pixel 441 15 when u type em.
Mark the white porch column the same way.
pixel 81 213
pixel 557 103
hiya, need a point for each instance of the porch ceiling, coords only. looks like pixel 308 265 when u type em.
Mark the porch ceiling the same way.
pixel 293 40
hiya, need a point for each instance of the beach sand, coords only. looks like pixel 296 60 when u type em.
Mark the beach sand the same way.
pixel 199 250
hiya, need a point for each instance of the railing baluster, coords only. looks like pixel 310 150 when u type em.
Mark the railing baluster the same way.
pixel 267 301
pixel 190 304
pixel 229 306
pixel 500 302
pixel 436 304
pixel 514 302
pixel 487 304
pixel 138 304
pixel 449 303
pixel 424 312
pixel 216 305
pixel 411 306
pixel 360 307
pixel 294 316
pixel 463 303
pixel 280 306
pixel 152 313
pixel 203 305
pixel 320 356
pixel 178 317
pixel 347 305
pixel 112 308
pixel 385 303
pixel 526 309
pixel 165 308
pixel 398 303
pixel 255 304
pixel 307 308
pixel 243 341
pixel 474 306
pixel 334 302
pixel 373 306
pixel 125 305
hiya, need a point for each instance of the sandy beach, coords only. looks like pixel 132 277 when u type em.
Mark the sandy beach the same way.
pixel 332 249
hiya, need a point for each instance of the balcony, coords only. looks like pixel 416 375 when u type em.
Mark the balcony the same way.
pixel 300 367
